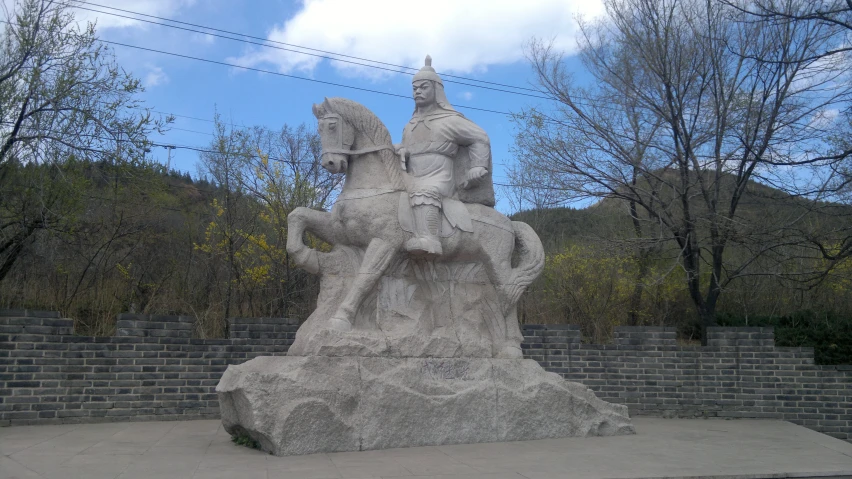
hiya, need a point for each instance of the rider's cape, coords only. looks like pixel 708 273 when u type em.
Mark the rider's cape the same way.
pixel 483 193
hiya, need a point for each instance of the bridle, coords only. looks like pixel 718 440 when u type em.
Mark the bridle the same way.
pixel 340 150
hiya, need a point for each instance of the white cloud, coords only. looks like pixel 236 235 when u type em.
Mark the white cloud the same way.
pixel 155 76
pixel 160 8
pixel 203 38
pixel 461 36
pixel 466 95
pixel 824 118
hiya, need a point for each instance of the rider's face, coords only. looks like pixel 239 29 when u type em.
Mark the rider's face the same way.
pixel 424 93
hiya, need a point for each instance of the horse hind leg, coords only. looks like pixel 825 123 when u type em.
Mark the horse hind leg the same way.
pixel 377 258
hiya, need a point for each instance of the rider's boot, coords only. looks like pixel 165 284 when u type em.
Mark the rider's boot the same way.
pixel 427 223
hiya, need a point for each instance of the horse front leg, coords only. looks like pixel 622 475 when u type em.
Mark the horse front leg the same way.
pixel 305 219
pixel 377 258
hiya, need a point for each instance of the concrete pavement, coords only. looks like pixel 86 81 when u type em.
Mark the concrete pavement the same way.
pixel 662 448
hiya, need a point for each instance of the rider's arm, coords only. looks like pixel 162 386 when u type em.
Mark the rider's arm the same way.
pixel 464 132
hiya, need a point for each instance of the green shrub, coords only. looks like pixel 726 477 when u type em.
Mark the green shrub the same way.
pixel 245 440
pixel 828 333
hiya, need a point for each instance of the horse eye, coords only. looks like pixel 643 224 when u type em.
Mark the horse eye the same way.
pixel 332 126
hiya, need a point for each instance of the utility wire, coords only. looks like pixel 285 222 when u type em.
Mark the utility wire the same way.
pixel 447 75
pixel 191 131
pixel 311 54
pixel 260 70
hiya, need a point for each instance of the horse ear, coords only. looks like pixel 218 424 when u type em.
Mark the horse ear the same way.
pixel 315 110
pixel 326 105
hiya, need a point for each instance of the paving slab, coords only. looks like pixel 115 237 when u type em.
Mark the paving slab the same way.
pixel 661 448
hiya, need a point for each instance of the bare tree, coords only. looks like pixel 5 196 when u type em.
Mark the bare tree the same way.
pixel 287 174
pixel 831 13
pixel 834 242
pixel 61 91
pixel 62 98
pixel 226 165
pixel 691 111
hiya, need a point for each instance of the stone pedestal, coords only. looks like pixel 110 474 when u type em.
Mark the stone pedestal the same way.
pixel 313 404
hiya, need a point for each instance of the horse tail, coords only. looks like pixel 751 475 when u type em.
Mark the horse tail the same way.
pixel 530 253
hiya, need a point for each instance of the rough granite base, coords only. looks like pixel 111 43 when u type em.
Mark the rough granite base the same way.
pixel 315 404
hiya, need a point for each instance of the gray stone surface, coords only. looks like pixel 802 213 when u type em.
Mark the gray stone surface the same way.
pixel 302 405
pixel 293 405
pixel 670 448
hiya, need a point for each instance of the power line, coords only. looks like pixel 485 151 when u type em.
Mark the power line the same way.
pixel 260 70
pixel 147 142
pixel 311 54
pixel 191 131
pixel 184 116
pixel 551 98
pixel 447 75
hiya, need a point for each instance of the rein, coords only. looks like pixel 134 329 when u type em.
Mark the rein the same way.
pixel 362 151
pixel 341 151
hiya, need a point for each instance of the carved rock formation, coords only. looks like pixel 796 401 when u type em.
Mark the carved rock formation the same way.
pixel 312 404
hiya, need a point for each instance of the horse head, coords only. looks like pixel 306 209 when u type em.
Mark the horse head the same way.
pixel 347 130
pixel 336 135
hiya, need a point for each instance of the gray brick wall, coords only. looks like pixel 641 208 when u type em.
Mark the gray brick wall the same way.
pixel 153 369
pixel 740 374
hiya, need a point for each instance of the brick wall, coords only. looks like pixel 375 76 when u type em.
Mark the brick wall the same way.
pixel 739 374
pixel 154 369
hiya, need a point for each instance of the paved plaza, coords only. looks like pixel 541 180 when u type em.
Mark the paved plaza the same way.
pixel 201 449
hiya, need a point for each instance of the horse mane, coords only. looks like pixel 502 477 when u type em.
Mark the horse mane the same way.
pixel 368 123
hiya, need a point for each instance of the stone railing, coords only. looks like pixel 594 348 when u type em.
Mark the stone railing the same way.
pixel 153 369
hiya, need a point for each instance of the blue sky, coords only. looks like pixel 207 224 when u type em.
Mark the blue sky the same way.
pixel 479 39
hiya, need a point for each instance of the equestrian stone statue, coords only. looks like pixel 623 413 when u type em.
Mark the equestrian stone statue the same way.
pixel 415 338
pixel 421 264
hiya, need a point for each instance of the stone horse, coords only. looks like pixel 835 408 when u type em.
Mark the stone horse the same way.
pixel 365 216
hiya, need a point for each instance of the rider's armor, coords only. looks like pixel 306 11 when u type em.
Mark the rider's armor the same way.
pixel 432 143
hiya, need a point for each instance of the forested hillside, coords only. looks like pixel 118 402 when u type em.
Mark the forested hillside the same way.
pixel 137 238
pixel 600 275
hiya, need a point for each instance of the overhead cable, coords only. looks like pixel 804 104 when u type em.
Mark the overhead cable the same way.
pixel 446 75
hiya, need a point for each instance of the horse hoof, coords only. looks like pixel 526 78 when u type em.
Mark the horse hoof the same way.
pixel 340 324
pixel 510 352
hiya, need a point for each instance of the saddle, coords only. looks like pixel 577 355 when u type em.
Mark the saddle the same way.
pixel 455 216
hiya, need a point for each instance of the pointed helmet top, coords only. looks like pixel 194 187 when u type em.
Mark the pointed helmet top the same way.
pixel 427 73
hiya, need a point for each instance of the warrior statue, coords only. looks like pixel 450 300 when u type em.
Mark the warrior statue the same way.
pixel 438 145
pixel 415 338
pixel 419 257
